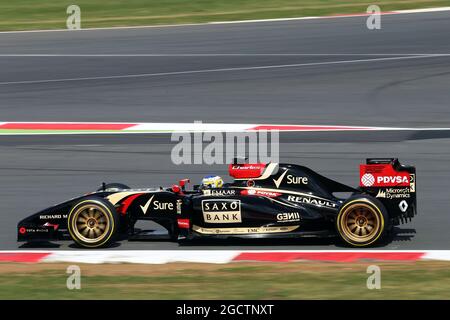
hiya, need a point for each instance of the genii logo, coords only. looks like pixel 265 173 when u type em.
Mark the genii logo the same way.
pixel 288 217
pixel 221 211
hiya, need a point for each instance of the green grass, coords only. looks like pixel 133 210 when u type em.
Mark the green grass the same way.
pixel 51 14
pixel 422 280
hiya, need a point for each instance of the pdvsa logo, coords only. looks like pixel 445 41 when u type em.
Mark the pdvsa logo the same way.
pixel 393 179
pixel 383 175
pixel 367 180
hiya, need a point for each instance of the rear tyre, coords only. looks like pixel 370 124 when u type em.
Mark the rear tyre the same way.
pixel 362 221
pixel 93 222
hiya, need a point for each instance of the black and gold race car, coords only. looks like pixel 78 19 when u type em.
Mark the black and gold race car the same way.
pixel 264 200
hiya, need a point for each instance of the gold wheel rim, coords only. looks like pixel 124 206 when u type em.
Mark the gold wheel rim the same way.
pixel 360 223
pixel 90 223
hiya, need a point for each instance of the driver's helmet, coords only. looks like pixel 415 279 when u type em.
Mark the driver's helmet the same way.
pixel 211 182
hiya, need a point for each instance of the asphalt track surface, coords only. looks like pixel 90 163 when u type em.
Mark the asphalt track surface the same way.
pixel 330 71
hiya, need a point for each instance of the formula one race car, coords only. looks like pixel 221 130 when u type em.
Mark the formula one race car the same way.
pixel 265 200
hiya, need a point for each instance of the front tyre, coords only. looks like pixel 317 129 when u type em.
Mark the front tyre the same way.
pixel 93 222
pixel 362 221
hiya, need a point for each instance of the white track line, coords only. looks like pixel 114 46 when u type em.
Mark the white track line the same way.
pixel 142 256
pixel 197 55
pixel 199 256
pixel 158 128
pixel 204 71
pixel 428 10
pixel 395 12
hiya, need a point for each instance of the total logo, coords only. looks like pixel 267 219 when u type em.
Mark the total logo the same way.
pixel 290 179
pixel 369 180
pixel 179 204
pixel 262 193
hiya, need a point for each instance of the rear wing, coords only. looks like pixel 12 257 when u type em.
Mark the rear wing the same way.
pixel 393 183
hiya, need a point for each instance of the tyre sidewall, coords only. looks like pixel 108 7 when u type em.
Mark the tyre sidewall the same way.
pixel 378 207
pixel 111 215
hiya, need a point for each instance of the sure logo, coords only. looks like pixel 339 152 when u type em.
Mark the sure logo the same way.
pixel 157 205
pixel 290 179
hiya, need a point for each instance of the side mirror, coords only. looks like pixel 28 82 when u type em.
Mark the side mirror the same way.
pixel 176 188
pixel 183 183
